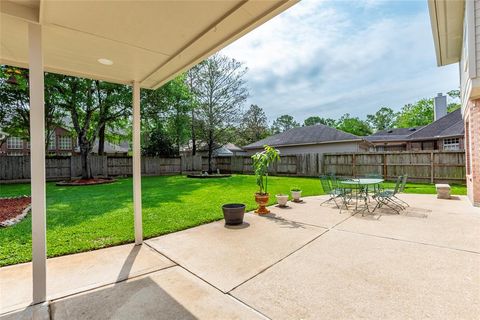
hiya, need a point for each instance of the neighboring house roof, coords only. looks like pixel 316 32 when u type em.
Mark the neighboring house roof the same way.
pixel 398 134
pixel 3 135
pixel 232 147
pixel 450 125
pixel 305 135
pixel 108 148
pixel 447 126
pixel 228 148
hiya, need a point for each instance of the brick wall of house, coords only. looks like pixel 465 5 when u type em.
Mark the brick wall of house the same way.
pixel 472 146
pixel 58 149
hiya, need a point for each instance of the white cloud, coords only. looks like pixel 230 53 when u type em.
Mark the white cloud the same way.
pixel 321 58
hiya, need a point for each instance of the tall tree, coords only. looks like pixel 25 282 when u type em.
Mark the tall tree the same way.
pixel 454 105
pixel 178 119
pixel 115 107
pixel 89 103
pixel 314 120
pixel 165 117
pixel 385 118
pixel 353 125
pixel 15 107
pixel 417 114
pixel 254 125
pixel 220 91
pixel 283 123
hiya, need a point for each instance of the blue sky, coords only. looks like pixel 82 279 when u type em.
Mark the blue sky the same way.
pixel 330 57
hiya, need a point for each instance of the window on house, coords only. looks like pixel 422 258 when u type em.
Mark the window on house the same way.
pixel 14 143
pixel 14 153
pixel 64 143
pixel 451 144
pixel 52 142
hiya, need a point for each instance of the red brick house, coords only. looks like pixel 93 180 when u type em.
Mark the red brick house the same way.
pixel 456 35
pixel 61 143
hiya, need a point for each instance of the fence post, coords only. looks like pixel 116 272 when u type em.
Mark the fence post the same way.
pixel 354 169
pixel 385 166
pixel 432 168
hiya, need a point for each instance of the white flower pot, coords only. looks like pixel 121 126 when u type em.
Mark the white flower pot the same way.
pixel 296 195
pixel 282 199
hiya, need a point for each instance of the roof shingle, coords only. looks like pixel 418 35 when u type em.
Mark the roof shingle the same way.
pixel 304 135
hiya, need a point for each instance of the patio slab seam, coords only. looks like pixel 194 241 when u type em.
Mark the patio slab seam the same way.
pixel 278 261
pixel 408 241
pixel 19 307
pixel 208 283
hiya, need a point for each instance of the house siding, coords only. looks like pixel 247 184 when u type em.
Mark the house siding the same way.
pixel 470 93
pixel 476 5
pixel 472 146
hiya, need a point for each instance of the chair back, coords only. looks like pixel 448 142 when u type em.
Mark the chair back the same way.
pixel 398 184
pixel 326 185
pixel 404 182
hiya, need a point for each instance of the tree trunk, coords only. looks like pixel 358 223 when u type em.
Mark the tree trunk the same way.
pixel 210 151
pixel 101 141
pixel 210 159
pixel 85 149
pixel 194 145
pixel 86 170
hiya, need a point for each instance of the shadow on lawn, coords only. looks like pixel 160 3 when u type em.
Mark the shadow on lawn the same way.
pixel 82 203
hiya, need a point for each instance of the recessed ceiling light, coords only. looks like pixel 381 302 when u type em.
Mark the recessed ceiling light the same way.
pixel 105 61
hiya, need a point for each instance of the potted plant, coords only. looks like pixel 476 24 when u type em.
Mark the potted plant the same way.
pixel 233 213
pixel 282 199
pixel 261 162
pixel 296 194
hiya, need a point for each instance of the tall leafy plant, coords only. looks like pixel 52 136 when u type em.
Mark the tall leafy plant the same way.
pixel 261 162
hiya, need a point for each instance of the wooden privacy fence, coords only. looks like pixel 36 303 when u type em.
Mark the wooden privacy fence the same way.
pixel 422 166
pixel 58 168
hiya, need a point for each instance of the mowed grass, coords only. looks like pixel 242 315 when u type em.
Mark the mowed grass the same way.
pixel 91 217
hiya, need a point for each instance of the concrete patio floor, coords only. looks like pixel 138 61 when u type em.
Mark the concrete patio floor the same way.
pixel 303 262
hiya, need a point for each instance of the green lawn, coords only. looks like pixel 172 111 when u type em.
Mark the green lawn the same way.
pixel 91 217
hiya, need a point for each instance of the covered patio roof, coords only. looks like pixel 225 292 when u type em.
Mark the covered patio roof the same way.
pixel 142 43
pixel 446 18
pixel 147 41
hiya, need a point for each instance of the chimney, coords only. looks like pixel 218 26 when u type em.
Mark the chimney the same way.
pixel 439 106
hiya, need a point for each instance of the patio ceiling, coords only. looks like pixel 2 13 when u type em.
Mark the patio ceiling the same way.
pixel 147 41
pixel 446 18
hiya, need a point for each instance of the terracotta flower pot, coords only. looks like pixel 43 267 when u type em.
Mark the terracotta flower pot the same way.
pixel 282 199
pixel 233 213
pixel 262 201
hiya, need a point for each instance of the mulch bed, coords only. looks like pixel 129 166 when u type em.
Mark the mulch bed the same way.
pixel 210 176
pixel 85 182
pixel 11 208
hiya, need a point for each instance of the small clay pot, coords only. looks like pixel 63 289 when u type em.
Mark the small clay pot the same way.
pixel 296 194
pixel 282 199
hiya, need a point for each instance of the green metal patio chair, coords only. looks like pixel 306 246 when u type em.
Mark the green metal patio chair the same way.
pixel 387 197
pixel 333 191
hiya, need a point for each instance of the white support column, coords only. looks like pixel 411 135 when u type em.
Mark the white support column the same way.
pixel 37 163
pixel 137 166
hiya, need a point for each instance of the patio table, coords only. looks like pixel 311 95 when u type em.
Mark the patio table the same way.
pixel 362 186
